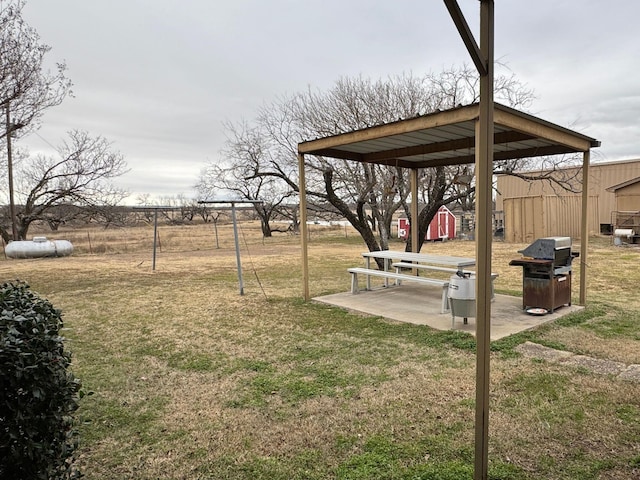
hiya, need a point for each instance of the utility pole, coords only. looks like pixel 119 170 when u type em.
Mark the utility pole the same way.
pixel 12 205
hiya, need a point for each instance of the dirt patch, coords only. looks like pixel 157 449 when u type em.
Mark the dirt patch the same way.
pixel 631 373
pixel 594 365
pixel 530 349
pixel 589 343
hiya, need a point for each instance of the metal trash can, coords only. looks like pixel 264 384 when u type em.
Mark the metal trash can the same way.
pixel 462 296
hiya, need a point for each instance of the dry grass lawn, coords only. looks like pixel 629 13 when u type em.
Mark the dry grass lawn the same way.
pixel 193 381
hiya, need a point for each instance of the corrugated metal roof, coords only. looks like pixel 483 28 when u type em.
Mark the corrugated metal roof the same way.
pixel 448 138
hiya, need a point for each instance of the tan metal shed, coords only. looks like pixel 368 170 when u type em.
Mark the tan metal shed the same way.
pixel 601 197
pixel 627 195
pixel 528 218
pixel 627 205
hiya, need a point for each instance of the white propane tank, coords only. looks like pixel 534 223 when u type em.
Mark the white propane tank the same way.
pixel 623 232
pixel 619 233
pixel 38 247
pixel 462 296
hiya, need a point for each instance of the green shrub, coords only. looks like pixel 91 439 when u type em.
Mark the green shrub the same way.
pixel 38 393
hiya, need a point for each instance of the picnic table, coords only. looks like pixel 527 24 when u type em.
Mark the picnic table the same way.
pixel 422 261
pixel 419 258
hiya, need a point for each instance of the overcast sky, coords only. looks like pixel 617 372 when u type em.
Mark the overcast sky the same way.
pixel 159 77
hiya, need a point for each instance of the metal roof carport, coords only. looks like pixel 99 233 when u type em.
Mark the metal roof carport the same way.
pixel 448 138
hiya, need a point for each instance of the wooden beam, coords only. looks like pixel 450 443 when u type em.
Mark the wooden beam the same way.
pixel 381 157
pixel 341 154
pixel 541 130
pixel 458 144
pixel 459 160
pixel 398 162
pixel 469 159
pixel 533 152
pixel 467 37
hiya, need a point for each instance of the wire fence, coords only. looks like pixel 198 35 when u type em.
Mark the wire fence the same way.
pixel 182 238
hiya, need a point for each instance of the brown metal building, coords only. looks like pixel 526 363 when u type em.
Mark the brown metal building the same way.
pixel 535 209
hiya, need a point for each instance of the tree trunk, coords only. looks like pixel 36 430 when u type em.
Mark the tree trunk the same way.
pixel 359 220
pixel 266 228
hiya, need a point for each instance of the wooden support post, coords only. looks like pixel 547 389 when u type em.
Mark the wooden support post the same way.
pixel 484 233
pixel 414 211
pixel 304 238
pixel 155 238
pixel 584 233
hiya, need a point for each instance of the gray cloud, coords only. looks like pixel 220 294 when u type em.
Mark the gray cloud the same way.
pixel 159 77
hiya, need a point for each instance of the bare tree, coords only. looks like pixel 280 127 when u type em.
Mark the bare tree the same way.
pixel 78 176
pixel 552 170
pixel 187 207
pixel 367 195
pixel 26 88
pixel 204 212
pixel 239 175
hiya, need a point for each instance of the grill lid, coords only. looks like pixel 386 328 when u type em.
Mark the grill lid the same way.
pixel 546 248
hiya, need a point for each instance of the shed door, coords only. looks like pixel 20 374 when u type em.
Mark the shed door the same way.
pixel 443 224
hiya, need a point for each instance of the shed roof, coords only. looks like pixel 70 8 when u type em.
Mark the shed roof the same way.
pixel 619 186
pixel 448 138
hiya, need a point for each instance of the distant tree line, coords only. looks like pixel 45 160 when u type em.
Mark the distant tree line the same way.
pixel 118 216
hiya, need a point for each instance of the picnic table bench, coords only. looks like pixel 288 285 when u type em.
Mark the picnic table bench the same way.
pixel 399 277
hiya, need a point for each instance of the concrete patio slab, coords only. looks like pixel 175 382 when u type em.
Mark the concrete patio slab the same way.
pixel 420 304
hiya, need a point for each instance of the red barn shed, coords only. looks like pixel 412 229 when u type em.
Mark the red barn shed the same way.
pixel 442 227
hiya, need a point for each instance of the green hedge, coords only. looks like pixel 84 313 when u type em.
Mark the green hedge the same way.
pixel 38 393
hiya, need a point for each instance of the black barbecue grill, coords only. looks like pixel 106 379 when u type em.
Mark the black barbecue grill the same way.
pixel 546 273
